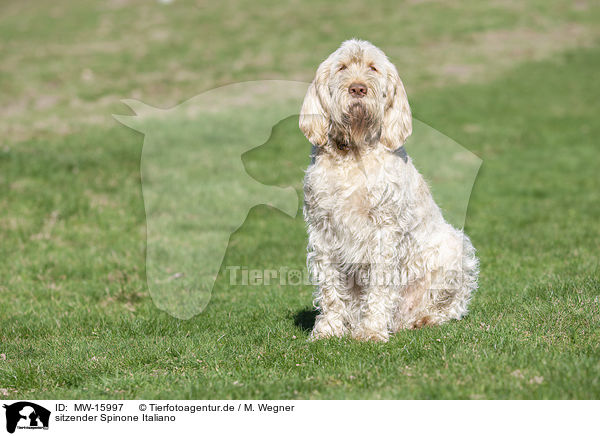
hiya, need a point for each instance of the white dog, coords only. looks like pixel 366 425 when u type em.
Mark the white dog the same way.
pixel 381 254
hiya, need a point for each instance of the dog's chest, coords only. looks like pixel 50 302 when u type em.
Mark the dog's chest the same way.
pixel 354 198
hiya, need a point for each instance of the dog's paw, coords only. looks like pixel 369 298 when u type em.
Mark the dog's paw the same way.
pixel 364 334
pixel 327 328
pixel 423 322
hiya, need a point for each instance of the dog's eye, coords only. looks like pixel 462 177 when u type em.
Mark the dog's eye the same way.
pixel 342 67
pixel 372 68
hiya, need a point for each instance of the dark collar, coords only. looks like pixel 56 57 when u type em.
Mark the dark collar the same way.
pixel 401 153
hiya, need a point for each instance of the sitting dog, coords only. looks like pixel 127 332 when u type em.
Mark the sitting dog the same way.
pixel 380 253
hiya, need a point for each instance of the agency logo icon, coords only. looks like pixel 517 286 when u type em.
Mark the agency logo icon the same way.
pixel 26 415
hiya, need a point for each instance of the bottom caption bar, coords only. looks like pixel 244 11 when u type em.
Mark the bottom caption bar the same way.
pixel 151 417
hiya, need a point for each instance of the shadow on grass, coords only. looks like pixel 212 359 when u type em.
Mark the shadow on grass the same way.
pixel 305 319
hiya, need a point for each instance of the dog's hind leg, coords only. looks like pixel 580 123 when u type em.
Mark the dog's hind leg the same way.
pixel 441 301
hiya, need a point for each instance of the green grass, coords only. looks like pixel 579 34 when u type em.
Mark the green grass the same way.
pixel 76 316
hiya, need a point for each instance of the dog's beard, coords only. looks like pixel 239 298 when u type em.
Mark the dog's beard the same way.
pixel 359 119
pixel 358 128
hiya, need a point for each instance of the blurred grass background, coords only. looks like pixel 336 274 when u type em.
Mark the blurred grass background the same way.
pixel 514 82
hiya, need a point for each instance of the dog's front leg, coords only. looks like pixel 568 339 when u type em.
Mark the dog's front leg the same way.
pixel 377 298
pixel 330 297
pixel 376 315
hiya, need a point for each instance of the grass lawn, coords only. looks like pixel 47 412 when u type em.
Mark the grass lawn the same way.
pixel 517 85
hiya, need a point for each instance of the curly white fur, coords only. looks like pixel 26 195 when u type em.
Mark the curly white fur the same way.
pixel 381 254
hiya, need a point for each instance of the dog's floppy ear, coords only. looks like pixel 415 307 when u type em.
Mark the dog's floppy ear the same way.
pixel 314 121
pixel 397 120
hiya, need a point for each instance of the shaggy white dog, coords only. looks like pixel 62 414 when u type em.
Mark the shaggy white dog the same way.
pixel 381 254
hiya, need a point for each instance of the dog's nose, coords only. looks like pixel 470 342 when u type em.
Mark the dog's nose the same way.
pixel 358 90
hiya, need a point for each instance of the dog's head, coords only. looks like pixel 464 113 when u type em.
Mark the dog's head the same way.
pixel 356 98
